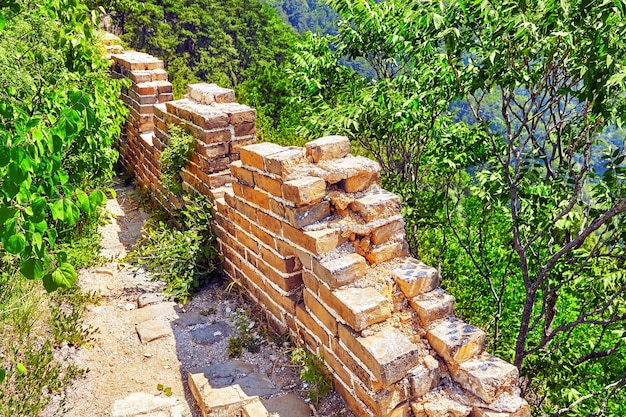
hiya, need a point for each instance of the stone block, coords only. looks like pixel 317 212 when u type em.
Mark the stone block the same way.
pixel 253 155
pixel 238 113
pixel 386 252
pixel 441 407
pixel 356 406
pixel 284 264
pixel 384 233
pixel 455 340
pixel 414 277
pixel 361 307
pixel 321 241
pixel 237 143
pixel 205 117
pixel 327 147
pixel 269 184
pixel 212 151
pixel 361 171
pixel 284 162
pixel 433 305
pixel 210 93
pixel 154 329
pixel 384 402
pixel 486 376
pixel 242 174
pixel 388 354
pixel 424 377
pixel 269 223
pixel 376 205
pixel 340 271
pixel 507 405
pixel 305 190
pixel 300 217
pixel 306 320
pixel 320 312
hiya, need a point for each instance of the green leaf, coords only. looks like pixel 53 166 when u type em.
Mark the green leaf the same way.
pixel 168 391
pixel 57 209
pixel 2 25
pixel 3 374
pixel 83 201
pixel 64 276
pixel 97 198
pixel 15 244
pixel 21 368
pixel 32 269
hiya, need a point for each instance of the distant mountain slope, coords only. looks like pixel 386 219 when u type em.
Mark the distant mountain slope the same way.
pixel 307 15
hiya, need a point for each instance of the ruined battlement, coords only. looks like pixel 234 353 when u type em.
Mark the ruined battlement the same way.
pixel 321 248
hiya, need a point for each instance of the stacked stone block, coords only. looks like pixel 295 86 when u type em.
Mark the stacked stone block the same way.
pixel 312 237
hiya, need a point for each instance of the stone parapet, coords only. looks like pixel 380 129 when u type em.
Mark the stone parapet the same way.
pixel 313 239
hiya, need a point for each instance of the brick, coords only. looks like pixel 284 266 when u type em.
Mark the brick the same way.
pixel 287 248
pixel 432 306
pixel 163 87
pixel 384 233
pixel 144 89
pixel 238 113
pixel 454 340
pixel 244 175
pixel 360 307
pixel 376 205
pixel 284 162
pixel 424 378
pixel 242 207
pixel 269 223
pixel 356 406
pixel 414 277
pixel 206 117
pixel 307 321
pixel 255 409
pixel 305 190
pixel 210 93
pixel 285 264
pixel 508 406
pixel 254 196
pixel 269 184
pixel 388 354
pixel 485 376
pixel 357 172
pixel 383 403
pixel 441 406
pixel 263 236
pixel 245 129
pixel 219 400
pixel 277 207
pixel 237 143
pixel 327 147
pixel 310 281
pixel 286 301
pixel 383 253
pixel 218 180
pixel 210 136
pixel 213 150
pixel 286 282
pixel 340 271
pixel 300 217
pixel 338 369
pixel 319 311
pixel 253 155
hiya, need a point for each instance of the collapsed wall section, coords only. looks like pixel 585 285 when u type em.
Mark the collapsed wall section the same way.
pixel 315 241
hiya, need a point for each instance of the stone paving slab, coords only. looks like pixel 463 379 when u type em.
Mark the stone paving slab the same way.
pixel 141 403
pixel 154 329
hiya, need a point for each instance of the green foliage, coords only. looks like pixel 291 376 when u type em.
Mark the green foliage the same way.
pixel 184 257
pixel 246 336
pixel 175 157
pixel 59 114
pixel 314 372
pixel 504 190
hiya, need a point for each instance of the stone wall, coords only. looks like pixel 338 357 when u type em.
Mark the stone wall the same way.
pixel 315 241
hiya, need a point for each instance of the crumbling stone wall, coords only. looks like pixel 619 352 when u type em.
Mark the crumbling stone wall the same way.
pixel 315 241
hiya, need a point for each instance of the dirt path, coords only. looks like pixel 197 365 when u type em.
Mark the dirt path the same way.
pixel 145 346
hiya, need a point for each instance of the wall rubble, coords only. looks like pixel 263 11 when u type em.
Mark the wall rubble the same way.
pixel 321 248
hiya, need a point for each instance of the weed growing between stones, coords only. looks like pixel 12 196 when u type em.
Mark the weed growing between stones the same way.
pixel 175 157
pixel 246 336
pixel 314 372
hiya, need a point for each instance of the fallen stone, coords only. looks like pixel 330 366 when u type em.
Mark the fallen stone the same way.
pixel 212 333
pixel 455 340
pixel 191 318
pixel 154 329
pixel 415 277
pixel 289 405
pixel 163 310
pixel 142 403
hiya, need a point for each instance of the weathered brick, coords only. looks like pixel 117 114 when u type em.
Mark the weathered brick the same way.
pixel 441 406
pixel 358 172
pixel 319 311
pixel 454 340
pixel 307 321
pixel 388 354
pixel 310 281
pixel 287 248
pixel 433 305
pixel 299 217
pixel 360 307
pixel 238 113
pixel 485 376
pixel 285 264
pixel 284 162
pixel 384 233
pixel 204 116
pixel 424 377
pixel 144 89
pixel 515 407
pixel 210 93
pixel 213 150
pixel 340 271
pixel 305 190
pixel 245 129
pixel 253 155
pixel 269 184
pixel 415 277
pixel 269 223
pixel 263 236
pixel 383 253
pixel 247 241
pixel 384 402
pixel 253 195
pixel 285 300
pixel 277 207
pixel 328 147
pixel 338 369
pixel 238 142
pixel 286 282
pixel 356 406
pixel 244 175
pixel 378 204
